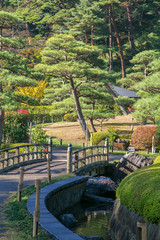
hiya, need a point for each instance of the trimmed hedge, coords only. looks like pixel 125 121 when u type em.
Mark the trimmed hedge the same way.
pixel 142 137
pixel 140 192
pixel 111 134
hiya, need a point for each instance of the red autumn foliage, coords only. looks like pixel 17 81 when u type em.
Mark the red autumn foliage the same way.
pixel 142 137
pixel 120 146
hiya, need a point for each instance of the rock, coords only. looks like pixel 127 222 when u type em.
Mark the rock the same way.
pixel 96 199
pixel 92 238
pixel 129 163
pixel 68 220
pixel 99 186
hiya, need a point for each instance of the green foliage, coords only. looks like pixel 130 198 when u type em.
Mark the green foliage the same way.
pixel 111 134
pixel 140 192
pixel 117 110
pixel 16 126
pixel 38 135
pixel 98 137
pixel 70 117
pixel 142 137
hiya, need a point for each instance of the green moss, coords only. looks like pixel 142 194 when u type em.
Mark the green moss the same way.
pixel 140 192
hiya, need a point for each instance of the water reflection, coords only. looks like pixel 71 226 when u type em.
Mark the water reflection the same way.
pixel 91 220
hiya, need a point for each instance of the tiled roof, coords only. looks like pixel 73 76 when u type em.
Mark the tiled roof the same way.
pixel 124 92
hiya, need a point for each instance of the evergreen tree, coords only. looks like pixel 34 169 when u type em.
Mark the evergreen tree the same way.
pixel 13 68
pixel 73 62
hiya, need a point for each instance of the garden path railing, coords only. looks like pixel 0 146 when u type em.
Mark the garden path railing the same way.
pixel 25 154
pixel 85 156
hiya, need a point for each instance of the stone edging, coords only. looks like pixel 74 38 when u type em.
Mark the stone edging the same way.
pixel 47 220
pixel 123 225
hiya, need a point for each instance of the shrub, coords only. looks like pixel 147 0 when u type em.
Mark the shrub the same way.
pixel 38 135
pixel 111 134
pixel 120 146
pixel 69 117
pixel 16 126
pixel 98 137
pixel 142 137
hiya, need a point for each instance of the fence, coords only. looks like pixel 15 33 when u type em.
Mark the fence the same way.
pixel 85 156
pixel 24 154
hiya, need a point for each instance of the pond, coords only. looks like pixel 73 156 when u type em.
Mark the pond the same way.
pixel 92 220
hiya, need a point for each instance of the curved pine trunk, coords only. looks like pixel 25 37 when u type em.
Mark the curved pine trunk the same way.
pixel 92 125
pixel 79 111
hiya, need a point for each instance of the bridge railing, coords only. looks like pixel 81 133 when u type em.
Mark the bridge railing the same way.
pixel 20 155
pixel 85 156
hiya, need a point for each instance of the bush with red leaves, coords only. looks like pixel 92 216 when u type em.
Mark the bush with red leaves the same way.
pixel 142 137
pixel 120 146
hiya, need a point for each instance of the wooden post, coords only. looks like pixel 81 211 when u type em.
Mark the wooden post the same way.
pixel 91 142
pixel 50 148
pixel 69 158
pixel 27 151
pixel 17 154
pixel 36 212
pixel 76 161
pixel 20 185
pixel 84 156
pixel 107 149
pixel 60 142
pixel 142 230
pixel 35 152
pixel 48 167
pixel 153 144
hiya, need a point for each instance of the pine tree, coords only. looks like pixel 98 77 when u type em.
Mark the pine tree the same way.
pixel 13 68
pixel 73 62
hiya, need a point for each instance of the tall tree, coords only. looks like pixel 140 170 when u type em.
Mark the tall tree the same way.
pixel 73 62
pixel 13 68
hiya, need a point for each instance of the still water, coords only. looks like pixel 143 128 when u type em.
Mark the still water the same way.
pixel 92 220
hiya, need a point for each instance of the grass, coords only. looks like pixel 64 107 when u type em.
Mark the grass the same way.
pixel 140 192
pixel 16 218
pixel 71 132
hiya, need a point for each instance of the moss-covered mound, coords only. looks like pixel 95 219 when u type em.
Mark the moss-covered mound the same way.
pixel 140 192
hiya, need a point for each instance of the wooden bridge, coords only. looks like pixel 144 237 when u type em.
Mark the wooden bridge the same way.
pixel 22 155
pixel 76 161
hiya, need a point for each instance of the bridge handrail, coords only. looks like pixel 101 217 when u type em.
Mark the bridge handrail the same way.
pixel 85 156
pixel 21 146
pixel 10 158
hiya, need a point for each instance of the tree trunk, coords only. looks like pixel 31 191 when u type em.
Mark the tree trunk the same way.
pixel 92 41
pixel 110 42
pixel 28 32
pixel 130 28
pixel 92 125
pixel 115 98
pixel 79 111
pixel 118 42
